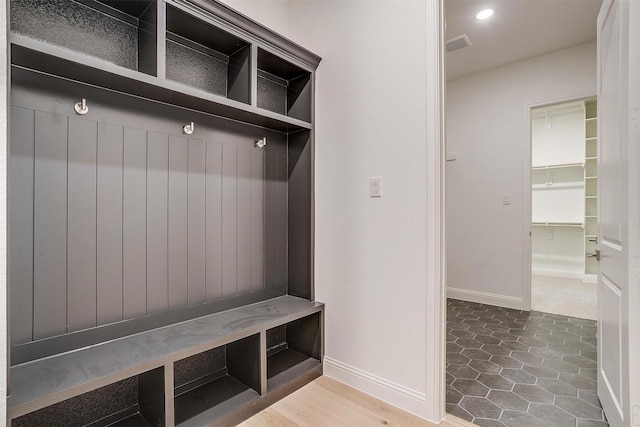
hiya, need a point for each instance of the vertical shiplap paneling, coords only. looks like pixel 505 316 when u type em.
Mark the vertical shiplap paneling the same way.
pixel 282 222
pixel 157 220
pixel 81 224
pixel 177 242
pixel 257 220
pixel 276 220
pixel 243 224
pixel 197 225
pixel 50 226
pixel 229 218
pixel 213 221
pixel 110 169
pixel 21 151
pixel 134 224
pixel 270 186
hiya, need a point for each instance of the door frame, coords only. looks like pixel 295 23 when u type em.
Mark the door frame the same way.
pixel 436 303
pixel 527 205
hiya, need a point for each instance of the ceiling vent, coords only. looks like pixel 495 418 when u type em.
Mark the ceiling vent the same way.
pixel 458 43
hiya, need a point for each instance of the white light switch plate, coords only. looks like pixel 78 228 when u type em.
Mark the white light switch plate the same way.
pixel 375 186
pixel 506 199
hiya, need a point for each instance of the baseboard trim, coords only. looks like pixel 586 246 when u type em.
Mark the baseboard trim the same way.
pixel 395 394
pixel 485 298
pixel 590 278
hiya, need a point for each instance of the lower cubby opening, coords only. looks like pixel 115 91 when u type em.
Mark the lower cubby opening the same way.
pixel 134 401
pixel 292 349
pixel 214 383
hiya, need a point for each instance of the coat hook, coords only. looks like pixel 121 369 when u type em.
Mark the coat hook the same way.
pixel 81 107
pixel 188 128
pixel 261 143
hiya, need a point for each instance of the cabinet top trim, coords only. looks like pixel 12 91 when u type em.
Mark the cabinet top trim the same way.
pixel 258 30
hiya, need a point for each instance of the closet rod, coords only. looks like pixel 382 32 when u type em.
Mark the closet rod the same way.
pixel 558 224
pixel 559 166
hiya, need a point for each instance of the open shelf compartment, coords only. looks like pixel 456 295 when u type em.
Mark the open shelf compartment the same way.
pixel 205 57
pixel 120 32
pixel 292 350
pixel 282 87
pixel 213 384
pixel 134 401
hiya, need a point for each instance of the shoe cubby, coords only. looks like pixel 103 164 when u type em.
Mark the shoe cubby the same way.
pixel 205 57
pixel 213 384
pixel 282 87
pixel 134 401
pixel 120 32
pixel 292 349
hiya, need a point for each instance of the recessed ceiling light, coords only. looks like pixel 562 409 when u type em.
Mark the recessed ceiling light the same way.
pixel 484 14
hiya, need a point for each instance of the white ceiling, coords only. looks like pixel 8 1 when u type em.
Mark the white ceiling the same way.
pixel 519 29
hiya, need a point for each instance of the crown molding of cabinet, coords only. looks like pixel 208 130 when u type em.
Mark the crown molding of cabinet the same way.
pixel 258 30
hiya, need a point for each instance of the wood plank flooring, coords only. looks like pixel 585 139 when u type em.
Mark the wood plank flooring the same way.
pixel 328 403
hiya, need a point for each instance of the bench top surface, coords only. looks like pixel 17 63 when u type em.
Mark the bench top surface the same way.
pixel 45 377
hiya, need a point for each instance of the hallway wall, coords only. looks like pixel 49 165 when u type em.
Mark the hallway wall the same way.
pixel 486 127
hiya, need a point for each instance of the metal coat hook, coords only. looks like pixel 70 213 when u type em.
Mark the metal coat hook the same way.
pixel 81 107
pixel 261 143
pixel 188 128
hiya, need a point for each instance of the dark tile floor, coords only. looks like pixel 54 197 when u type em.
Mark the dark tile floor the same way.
pixel 521 369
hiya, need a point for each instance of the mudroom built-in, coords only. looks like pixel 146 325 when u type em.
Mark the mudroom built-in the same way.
pixel 161 214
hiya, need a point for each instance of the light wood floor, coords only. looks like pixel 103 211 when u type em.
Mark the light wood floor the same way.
pixel 327 403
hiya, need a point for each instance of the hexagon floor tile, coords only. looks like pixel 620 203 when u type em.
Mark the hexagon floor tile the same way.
pixel 517 368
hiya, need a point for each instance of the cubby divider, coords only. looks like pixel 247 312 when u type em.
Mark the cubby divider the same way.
pixel 292 349
pixel 206 57
pixel 212 384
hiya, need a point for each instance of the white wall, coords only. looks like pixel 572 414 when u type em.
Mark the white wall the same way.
pixel 486 127
pixel 370 253
pixel 273 14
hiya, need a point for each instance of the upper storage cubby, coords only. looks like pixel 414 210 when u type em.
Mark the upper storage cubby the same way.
pixel 205 57
pixel 122 32
pixel 283 87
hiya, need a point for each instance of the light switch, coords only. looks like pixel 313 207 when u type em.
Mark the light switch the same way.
pixel 506 199
pixel 375 186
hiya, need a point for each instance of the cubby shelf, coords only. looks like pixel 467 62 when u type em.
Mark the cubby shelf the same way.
pixel 292 349
pixel 39 56
pixel 177 54
pixel 118 32
pixel 224 367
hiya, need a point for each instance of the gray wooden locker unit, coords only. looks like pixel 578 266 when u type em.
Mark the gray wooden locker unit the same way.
pixel 172 269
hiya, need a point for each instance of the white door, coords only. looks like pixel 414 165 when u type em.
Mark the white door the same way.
pixel 619 213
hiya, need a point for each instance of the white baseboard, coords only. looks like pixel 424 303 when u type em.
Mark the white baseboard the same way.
pixel 590 278
pixel 485 298
pixel 395 394
pixel 558 273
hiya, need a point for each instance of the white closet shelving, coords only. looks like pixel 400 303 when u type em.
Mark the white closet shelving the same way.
pixel 591 190
pixel 564 189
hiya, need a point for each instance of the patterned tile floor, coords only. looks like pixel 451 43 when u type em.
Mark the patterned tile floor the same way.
pixel 521 369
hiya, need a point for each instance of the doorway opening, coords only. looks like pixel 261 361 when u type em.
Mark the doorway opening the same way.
pixel 564 208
